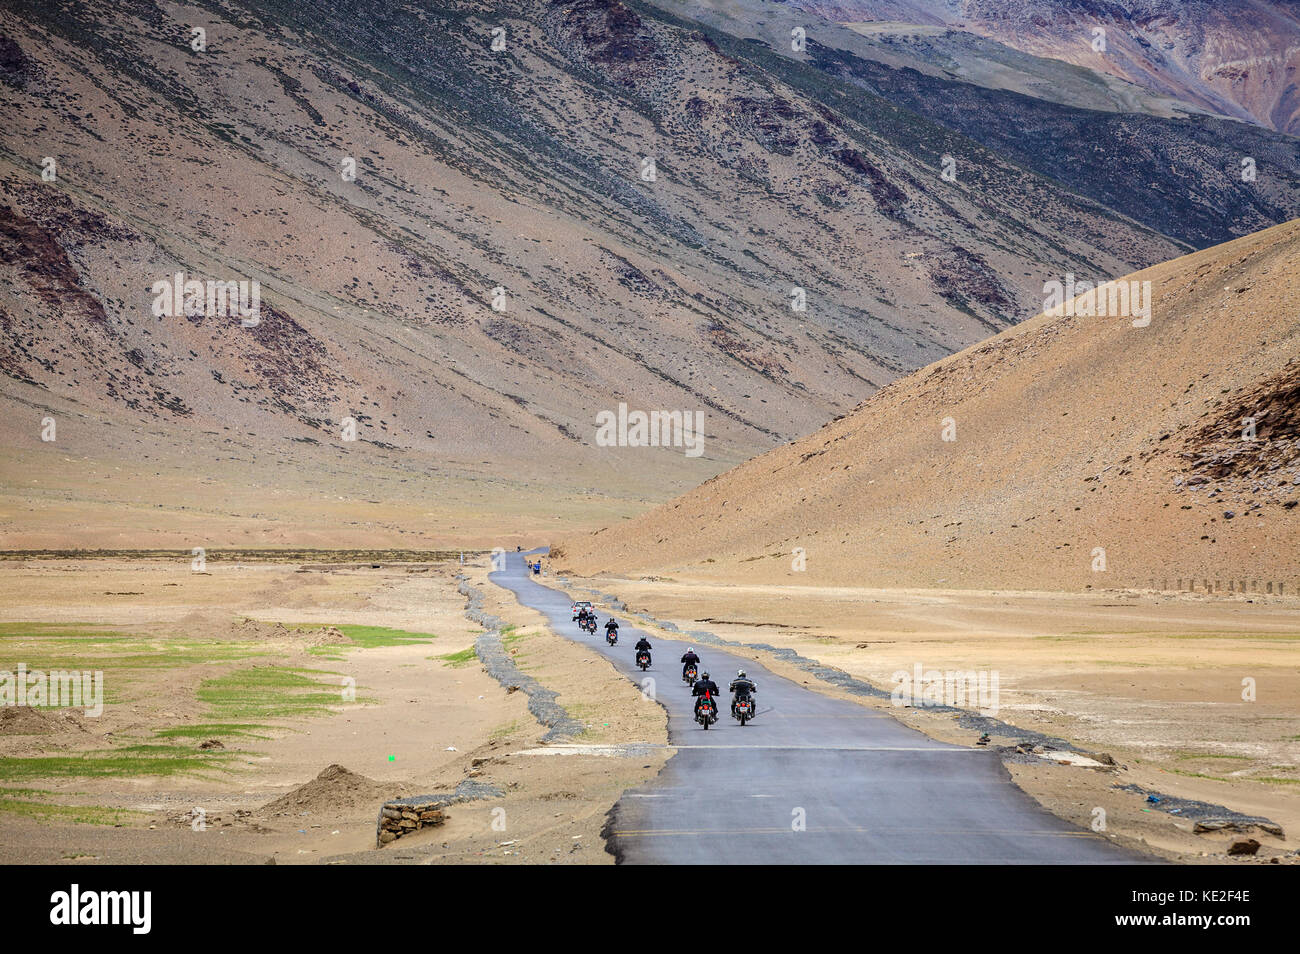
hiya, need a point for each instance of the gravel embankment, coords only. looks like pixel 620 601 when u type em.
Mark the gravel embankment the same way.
pixel 492 653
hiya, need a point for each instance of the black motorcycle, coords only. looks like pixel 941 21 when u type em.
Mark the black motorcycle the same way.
pixel 706 711
pixel 611 636
pixel 643 659
pixel 690 674
pixel 744 708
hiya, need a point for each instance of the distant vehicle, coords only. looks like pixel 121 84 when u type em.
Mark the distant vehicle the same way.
pixel 581 605
pixel 688 676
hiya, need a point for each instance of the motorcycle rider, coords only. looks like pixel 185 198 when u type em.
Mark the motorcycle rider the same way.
pixel 582 617
pixel 702 685
pixel 612 624
pixel 742 685
pixel 641 644
pixel 689 658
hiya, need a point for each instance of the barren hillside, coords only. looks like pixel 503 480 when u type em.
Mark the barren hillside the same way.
pixel 463 256
pixel 1087 452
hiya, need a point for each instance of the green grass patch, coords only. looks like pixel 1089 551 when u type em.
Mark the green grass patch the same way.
pixel 367 637
pixel 132 761
pixel 269 692
pixel 215 730
pixel 83 647
pixel 76 814
pixel 457 660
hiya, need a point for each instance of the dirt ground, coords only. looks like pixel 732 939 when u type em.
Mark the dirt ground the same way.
pixel 420 723
pixel 1153 681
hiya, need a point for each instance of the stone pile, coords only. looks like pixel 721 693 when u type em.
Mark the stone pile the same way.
pixel 405 815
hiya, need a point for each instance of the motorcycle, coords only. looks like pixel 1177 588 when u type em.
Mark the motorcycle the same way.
pixel 590 625
pixel 689 675
pixel 706 711
pixel 743 709
pixel 643 659
pixel 611 636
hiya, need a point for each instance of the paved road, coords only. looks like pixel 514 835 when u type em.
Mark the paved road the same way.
pixel 868 789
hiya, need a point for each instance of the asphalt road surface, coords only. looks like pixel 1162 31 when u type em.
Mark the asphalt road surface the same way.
pixel 812 779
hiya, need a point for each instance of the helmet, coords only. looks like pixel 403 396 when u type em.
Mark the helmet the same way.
pixel 706 675
pixel 740 674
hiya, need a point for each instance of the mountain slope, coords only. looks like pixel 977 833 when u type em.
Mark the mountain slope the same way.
pixel 475 170
pixel 1235 57
pixel 1157 160
pixel 1076 438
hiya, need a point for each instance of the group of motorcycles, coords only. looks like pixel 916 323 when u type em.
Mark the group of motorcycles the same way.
pixel 706 707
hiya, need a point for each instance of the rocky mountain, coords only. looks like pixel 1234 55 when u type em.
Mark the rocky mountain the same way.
pixel 474 229
pixel 1237 58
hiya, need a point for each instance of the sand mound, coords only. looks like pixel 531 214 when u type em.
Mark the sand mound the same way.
pixel 24 720
pixel 1071 451
pixel 334 789
pixel 327 636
